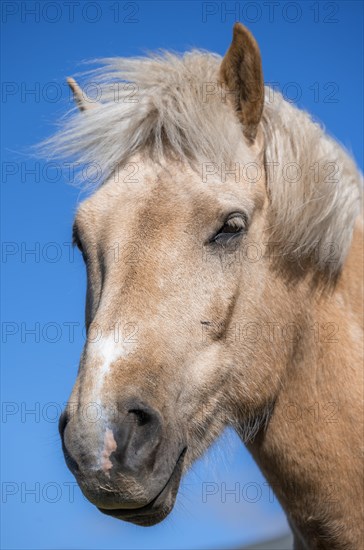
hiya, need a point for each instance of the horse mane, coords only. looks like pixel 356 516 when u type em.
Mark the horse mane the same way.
pixel 153 103
pixel 314 209
pixel 169 105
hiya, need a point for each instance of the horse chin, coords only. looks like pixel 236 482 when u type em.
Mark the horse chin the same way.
pixel 157 509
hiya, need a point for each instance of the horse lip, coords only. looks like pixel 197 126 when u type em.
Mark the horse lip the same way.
pixel 148 511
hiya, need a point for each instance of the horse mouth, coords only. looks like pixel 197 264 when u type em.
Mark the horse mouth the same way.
pixel 157 509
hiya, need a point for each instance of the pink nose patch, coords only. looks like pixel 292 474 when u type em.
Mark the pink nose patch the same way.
pixel 109 447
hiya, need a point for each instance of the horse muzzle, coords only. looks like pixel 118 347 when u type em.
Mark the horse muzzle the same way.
pixel 128 466
pixel 159 507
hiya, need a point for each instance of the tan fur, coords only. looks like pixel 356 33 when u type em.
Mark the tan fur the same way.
pixel 192 303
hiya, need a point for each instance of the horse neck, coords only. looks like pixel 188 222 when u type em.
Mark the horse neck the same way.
pixel 310 451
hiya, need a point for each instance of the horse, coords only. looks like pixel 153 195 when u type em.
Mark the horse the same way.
pixel 223 248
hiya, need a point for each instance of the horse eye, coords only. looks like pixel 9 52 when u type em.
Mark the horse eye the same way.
pixel 84 257
pixel 77 242
pixel 235 225
pixel 81 249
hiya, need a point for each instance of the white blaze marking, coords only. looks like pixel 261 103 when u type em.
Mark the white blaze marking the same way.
pixel 109 447
pixel 105 351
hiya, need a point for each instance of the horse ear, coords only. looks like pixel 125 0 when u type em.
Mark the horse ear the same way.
pixel 79 96
pixel 241 72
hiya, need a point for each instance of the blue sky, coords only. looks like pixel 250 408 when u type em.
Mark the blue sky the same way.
pixel 312 51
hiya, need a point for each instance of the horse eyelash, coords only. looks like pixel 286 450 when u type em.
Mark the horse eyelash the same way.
pixel 237 219
pixel 76 241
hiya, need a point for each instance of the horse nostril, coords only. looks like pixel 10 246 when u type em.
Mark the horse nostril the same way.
pixel 63 421
pixel 137 436
pixel 142 417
